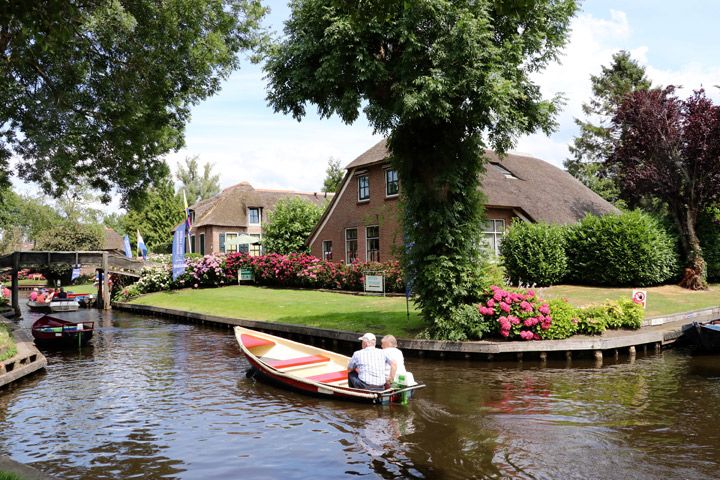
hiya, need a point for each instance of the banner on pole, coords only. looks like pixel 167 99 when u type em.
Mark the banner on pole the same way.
pixel 178 251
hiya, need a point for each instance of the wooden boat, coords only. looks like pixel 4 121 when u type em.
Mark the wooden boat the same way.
pixel 705 337
pixel 38 306
pixel 50 330
pixel 308 369
pixel 64 305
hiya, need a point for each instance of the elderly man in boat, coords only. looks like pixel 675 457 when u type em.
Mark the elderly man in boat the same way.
pixel 366 368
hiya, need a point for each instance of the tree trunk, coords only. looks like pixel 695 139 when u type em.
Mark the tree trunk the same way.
pixel 694 275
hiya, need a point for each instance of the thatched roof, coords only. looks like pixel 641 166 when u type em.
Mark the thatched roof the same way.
pixel 229 207
pixel 112 240
pixel 541 191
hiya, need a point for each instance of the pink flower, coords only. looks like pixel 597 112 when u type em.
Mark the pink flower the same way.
pixel 530 293
pixel 491 303
pixel 498 295
pixel 544 309
pixel 504 307
pixel 514 320
pixel 526 335
pixel 526 306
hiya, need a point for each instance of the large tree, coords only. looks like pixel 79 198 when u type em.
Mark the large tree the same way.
pixel 289 226
pixel 197 187
pixel 98 91
pixel 669 149
pixel 442 79
pixel 591 149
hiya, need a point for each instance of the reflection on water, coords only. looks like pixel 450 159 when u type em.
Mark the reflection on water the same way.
pixel 154 399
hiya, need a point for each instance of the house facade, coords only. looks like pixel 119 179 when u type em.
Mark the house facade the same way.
pixel 223 223
pixel 362 221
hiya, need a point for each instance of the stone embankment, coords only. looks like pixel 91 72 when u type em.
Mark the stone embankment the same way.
pixel 26 361
pixel 655 334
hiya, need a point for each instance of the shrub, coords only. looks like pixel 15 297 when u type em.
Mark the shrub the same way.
pixel 534 253
pixel 592 320
pixel 709 233
pixel 633 314
pixel 127 293
pixel 515 314
pixel 207 271
pixel 154 279
pixel 464 323
pixel 629 249
pixel 564 320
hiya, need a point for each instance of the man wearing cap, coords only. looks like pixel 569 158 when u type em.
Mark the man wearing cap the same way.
pixel 367 366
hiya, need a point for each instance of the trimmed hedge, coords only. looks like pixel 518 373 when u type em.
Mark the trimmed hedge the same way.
pixel 534 253
pixel 631 249
pixel 709 234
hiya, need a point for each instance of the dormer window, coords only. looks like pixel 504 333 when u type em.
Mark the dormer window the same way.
pixel 506 173
pixel 254 216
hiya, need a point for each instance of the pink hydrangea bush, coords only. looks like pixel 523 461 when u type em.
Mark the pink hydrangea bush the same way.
pixel 515 314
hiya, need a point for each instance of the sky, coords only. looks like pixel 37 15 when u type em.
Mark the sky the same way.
pixel 245 140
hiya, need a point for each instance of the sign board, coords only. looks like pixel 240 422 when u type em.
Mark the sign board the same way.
pixel 245 275
pixel 374 283
pixel 640 297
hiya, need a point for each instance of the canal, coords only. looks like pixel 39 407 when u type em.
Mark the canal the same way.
pixel 150 398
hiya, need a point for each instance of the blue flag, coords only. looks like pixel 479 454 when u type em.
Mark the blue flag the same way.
pixel 141 245
pixel 75 272
pixel 126 245
pixel 178 251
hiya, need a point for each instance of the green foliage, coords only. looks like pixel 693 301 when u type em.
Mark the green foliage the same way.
pixel 564 320
pixel 70 236
pixel 437 91
pixel 156 217
pixel 197 187
pixel 595 319
pixel 594 144
pixel 23 217
pixel 592 320
pixel 534 253
pixel 630 249
pixel 709 234
pixel 7 344
pixel 334 175
pixel 463 323
pixel 289 225
pixel 102 90
pixel 632 314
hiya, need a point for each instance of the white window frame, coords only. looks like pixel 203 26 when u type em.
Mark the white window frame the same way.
pixel 497 235
pixel 259 211
pixel 255 250
pixel 347 259
pixel 387 183
pixel 367 178
pixel 325 251
pixel 367 243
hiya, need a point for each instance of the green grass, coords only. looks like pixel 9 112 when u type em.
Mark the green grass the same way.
pixel 84 288
pixel 7 344
pixel 663 300
pixel 10 476
pixel 380 315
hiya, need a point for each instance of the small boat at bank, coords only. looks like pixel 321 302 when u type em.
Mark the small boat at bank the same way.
pixel 38 306
pixel 49 330
pixel 64 305
pixel 308 369
pixel 705 337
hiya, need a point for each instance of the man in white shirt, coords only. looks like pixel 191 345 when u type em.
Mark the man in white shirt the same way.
pixel 389 346
pixel 366 369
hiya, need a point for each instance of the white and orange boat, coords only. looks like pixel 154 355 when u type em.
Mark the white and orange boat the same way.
pixel 309 369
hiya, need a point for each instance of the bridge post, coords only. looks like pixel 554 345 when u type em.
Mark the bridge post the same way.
pixel 15 284
pixel 105 282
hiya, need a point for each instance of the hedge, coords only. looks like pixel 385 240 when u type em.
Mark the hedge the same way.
pixel 534 253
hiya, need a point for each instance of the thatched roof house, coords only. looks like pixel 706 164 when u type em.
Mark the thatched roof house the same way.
pixel 362 219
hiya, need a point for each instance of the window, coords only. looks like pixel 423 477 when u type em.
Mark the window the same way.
pixel 327 250
pixel 254 215
pixel 363 188
pixel 392 185
pixel 372 234
pixel 506 173
pixel 192 244
pixel 351 245
pixel 228 242
pixel 202 244
pixel 493 231
pixel 255 248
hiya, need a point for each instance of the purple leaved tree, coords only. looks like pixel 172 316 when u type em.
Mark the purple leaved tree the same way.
pixel 669 149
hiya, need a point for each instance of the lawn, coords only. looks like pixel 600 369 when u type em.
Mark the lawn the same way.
pixel 7 345
pixel 84 288
pixel 380 315
pixel 663 300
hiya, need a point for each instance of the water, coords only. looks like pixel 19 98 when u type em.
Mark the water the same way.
pixel 155 399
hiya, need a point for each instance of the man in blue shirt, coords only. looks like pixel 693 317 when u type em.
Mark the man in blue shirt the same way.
pixel 366 369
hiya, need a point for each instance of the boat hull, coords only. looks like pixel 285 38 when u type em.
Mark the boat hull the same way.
pixel 705 337
pixel 293 379
pixel 64 306
pixel 38 307
pixel 49 330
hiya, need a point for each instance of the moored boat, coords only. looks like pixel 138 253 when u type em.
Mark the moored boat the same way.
pixel 38 306
pixel 64 305
pixel 705 337
pixel 49 330
pixel 307 369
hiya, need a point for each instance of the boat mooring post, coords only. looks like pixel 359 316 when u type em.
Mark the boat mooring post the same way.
pixel 105 282
pixel 15 284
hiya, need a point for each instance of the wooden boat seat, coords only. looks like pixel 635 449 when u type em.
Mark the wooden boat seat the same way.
pixel 251 341
pixel 296 362
pixel 330 377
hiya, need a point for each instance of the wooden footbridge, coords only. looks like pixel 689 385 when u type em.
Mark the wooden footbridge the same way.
pixel 103 261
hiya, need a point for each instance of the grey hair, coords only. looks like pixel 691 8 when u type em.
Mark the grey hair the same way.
pixel 390 339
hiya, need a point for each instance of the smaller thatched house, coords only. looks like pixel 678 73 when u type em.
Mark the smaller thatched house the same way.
pixel 223 223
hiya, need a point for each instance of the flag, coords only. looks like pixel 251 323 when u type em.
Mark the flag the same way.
pixel 178 251
pixel 126 244
pixel 187 214
pixel 141 245
pixel 75 272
